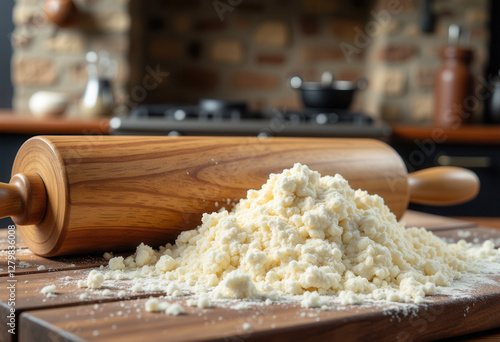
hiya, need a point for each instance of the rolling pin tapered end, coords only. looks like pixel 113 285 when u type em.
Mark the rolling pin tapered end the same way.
pixel 444 185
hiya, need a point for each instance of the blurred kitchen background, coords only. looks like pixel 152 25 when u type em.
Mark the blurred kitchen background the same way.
pixel 162 67
pixel 248 51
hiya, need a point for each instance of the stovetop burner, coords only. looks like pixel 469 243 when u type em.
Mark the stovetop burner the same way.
pixel 232 118
pixel 219 110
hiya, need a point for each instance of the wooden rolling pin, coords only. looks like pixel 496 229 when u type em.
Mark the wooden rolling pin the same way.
pixel 84 194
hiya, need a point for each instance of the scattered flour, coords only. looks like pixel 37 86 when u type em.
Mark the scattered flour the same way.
pixel 153 305
pixel 175 309
pixel 203 302
pixel 107 292
pixel 174 290
pixel 306 235
pixel 312 300
pixel 137 288
pixel 241 306
pixel 49 291
pixel 84 296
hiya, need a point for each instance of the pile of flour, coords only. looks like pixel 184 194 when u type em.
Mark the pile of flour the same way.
pixel 303 234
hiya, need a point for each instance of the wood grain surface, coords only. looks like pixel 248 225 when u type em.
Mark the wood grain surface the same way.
pixel 474 134
pixel 109 193
pixel 483 221
pixel 33 261
pixel 434 222
pixel 11 122
pixel 68 318
pixel 442 317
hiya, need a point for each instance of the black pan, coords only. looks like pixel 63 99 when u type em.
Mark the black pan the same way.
pixel 331 95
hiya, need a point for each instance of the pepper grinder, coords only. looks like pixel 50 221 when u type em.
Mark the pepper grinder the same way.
pixel 454 83
pixel 98 99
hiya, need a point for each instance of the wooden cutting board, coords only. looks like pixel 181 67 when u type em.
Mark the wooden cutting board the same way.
pixel 68 318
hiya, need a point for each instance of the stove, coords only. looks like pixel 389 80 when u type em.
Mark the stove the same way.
pixel 233 118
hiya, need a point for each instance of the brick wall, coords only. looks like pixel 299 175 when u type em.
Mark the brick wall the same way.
pixel 48 58
pixel 248 49
pixel 401 62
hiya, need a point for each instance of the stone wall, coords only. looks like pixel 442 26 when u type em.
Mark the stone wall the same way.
pixel 248 49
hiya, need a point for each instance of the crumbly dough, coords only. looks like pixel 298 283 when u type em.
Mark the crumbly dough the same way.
pixel 137 288
pixel 175 309
pixel 107 292
pixel 174 290
pixel 204 301
pixel 84 296
pixel 95 280
pixel 312 300
pixel 116 263
pixel 153 305
pixel 303 234
pixel 49 290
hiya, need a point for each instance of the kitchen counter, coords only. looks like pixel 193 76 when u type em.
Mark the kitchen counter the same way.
pixel 11 123
pixel 108 317
pixel 472 134
pixel 27 124
pixel 475 147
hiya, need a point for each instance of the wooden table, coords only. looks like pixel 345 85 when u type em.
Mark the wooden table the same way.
pixel 69 318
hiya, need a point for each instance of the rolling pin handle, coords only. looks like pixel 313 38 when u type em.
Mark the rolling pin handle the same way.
pixel 24 199
pixel 443 185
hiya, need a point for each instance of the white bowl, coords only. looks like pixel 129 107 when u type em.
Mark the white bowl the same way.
pixel 48 104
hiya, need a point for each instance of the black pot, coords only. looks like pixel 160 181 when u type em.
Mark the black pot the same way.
pixel 335 95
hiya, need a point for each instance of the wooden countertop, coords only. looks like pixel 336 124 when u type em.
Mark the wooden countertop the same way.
pixel 26 124
pixel 473 134
pixel 71 318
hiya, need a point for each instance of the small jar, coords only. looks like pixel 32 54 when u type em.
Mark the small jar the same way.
pixel 454 84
